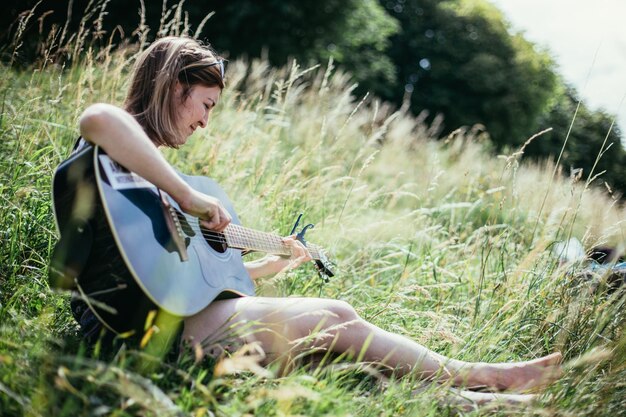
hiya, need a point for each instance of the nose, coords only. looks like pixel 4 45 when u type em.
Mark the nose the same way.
pixel 204 120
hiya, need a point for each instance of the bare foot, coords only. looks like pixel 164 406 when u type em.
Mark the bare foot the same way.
pixel 516 376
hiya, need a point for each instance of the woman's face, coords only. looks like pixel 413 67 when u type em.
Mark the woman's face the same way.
pixel 193 110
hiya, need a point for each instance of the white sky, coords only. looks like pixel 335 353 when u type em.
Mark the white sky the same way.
pixel 576 31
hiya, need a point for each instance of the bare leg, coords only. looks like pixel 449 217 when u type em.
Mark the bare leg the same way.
pixel 289 326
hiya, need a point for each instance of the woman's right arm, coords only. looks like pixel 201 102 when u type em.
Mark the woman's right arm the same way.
pixel 124 140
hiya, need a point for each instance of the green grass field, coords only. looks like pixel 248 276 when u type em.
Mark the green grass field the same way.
pixel 436 240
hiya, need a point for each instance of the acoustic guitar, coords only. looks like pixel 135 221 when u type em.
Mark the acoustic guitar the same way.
pixel 159 257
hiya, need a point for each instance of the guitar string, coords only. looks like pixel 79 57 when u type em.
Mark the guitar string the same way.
pixel 220 237
pixel 262 239
pixel 242 232
pixel 238 232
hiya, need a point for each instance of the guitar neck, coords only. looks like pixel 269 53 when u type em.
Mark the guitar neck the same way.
pixel 240 237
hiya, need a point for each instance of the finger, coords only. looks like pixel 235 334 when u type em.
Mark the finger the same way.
pixel 222 225
pixel 214 222
pixel 292 242
pixel 299 249
pixel 225 220
pixel 303 251
pixel 298 261
pixel 211 225
pixel 220 219
pixel 225 215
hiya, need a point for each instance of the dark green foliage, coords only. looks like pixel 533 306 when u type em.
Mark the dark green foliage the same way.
pixel 354 32
pixel 593 138
pixel 458 59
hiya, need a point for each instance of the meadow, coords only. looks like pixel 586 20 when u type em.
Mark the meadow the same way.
pixel 434 238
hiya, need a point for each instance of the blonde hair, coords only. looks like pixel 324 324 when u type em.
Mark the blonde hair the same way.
pixel 150 98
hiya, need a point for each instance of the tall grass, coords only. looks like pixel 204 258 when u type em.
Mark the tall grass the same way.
pixel 434 239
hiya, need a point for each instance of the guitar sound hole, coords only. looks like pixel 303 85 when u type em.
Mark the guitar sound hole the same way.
pixel 215 240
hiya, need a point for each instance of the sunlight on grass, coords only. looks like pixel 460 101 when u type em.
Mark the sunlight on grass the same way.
pixel 433 239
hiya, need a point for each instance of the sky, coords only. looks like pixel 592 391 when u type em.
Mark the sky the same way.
pixel 586 38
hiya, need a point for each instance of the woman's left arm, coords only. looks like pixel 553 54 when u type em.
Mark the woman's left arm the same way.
pixel 273 264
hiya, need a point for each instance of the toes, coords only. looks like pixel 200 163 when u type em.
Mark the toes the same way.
pixel 555 358
pixel 552 359
pixel 548 360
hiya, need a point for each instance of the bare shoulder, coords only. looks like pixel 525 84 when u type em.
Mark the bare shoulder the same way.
pixel 99 113
pixel 100 121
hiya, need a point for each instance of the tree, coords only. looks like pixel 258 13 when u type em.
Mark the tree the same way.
pixel 457 58
pixel 354 32
pixel 593 137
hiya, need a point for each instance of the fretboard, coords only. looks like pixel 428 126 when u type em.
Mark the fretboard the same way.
pixel 248 239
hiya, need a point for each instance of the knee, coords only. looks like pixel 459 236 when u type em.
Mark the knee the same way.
pixel 325 316
pixel 342 312
pixel 340 325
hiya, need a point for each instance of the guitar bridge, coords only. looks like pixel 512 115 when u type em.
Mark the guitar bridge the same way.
pixel 174 227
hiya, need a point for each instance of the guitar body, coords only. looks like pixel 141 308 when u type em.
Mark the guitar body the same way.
pixel 180 275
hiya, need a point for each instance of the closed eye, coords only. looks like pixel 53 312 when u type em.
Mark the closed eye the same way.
pixel 208 105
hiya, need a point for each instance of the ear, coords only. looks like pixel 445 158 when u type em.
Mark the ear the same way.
pixel 181 91
pixel 178 89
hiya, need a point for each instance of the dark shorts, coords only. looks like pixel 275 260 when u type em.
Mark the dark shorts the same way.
pixel 90 326
pixel 94 332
